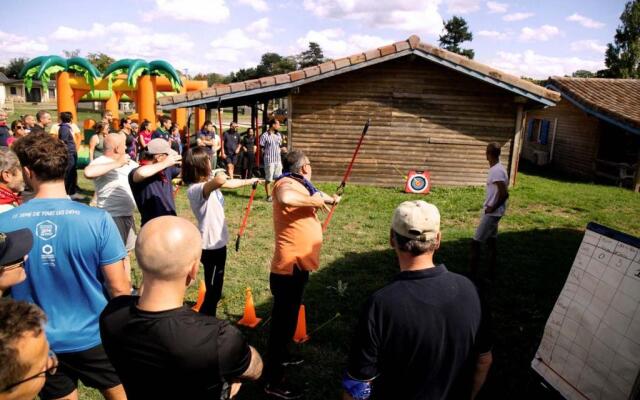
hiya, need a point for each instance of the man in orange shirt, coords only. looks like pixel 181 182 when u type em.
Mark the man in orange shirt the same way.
pixel 298 235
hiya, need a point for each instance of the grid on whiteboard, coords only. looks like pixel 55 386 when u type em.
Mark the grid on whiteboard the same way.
pixel 591 343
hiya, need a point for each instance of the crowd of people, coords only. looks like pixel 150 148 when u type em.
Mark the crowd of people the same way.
pixel 69 311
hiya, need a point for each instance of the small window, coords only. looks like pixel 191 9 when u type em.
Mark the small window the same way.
pixel 538 131
pixel 13 90
pixel 543 138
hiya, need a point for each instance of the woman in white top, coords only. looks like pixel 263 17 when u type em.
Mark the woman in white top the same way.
pixel 207 204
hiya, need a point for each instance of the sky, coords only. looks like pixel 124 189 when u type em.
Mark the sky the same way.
pixel 536 39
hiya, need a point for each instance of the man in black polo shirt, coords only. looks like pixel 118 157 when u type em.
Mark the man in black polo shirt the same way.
pixel 422 336
pixel 161 348
pixel 231 147
pixel 151 183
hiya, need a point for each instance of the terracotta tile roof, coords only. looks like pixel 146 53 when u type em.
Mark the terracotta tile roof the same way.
pixel 616 98
pixel 344 64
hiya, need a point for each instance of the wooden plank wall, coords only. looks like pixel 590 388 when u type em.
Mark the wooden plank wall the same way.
pixel 423 116
pixel 577 138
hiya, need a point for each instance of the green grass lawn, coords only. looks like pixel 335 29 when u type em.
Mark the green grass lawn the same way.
pixel 538 240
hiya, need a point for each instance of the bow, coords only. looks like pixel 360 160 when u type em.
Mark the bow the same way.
pixel 340 189
pixel 243 225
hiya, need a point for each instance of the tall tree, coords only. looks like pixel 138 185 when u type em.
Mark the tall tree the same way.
pixel 100 60
pixel 273 64
pixel 310 57
pixel 12 70
pixel 622 57
pixel 456 32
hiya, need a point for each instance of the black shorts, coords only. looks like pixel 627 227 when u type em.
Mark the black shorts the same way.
pixel 91 366
pixel 231 158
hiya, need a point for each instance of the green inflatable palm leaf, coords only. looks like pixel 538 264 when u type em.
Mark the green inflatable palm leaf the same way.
pixel 161 67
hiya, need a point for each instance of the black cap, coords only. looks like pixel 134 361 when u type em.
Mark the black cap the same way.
pixel 15 245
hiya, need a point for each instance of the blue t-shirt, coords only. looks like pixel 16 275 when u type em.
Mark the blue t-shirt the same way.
pixel 71 242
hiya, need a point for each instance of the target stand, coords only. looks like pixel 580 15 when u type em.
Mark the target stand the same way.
pixel 418 182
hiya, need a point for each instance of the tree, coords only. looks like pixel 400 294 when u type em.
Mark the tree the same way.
pixel 274 64
pixel 622 57
pixel 100 60
pixel 243 74
pixel 583 73
pixel 12 70
pixel 312 56
pixel 71 53
pixel 456 32
pixel 212 78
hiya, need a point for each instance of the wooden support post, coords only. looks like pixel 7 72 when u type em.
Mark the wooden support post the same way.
pixel 265 115
pixel 516 146
pixel 254 117
pixel 235 113
pixel 553 139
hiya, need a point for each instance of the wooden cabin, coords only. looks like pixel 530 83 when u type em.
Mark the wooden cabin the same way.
pixel 592 133
pixel 430 109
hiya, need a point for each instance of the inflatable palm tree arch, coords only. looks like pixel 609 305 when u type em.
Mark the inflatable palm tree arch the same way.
pixel 76 76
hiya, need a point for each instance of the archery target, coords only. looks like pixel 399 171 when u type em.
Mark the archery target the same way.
pixel 418 182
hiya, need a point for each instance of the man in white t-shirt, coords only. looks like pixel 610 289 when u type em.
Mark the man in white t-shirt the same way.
pixel 495 204
pixel 110 173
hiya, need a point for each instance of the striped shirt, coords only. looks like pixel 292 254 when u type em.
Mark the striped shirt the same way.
pixel 270 143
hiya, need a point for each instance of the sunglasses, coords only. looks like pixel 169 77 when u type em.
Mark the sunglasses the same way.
pixel 19 127
pixel 14 265
pixel 51 368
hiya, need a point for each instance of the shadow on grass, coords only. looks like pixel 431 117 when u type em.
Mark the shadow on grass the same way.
pixel 533 266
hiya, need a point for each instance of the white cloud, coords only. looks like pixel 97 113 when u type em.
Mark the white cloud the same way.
pixel 585 21
pixel 541 34
pixel 519 16
pixel 335 43
pixel 497 8
pixel 209 11
pixel 20 46
pixel 260 28
pixel 258 5
pixel 235 46
pixel 415 16
pixel 97 30
pixel 463 6
pixel 150 46
pixel 236 39
pixel 534 65
pixel 588 45
pixel 493 34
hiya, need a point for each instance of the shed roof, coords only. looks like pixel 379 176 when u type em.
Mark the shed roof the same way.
pixel 614 100
pixel 271 85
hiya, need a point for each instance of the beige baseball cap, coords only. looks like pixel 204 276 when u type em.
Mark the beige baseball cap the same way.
pixel 416 220
pixel 159 146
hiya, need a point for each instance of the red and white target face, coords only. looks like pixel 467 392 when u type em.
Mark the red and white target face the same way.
pixel 418 182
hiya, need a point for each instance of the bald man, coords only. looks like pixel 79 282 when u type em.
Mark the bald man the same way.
pixel 160 347
pixel 110 173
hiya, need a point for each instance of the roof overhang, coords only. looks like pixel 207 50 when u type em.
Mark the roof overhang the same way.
pixel 280 90
pixel 595 113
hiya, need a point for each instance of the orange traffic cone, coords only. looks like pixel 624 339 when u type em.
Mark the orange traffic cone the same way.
pixel 301 329
pixel 249 318
pixel 202 289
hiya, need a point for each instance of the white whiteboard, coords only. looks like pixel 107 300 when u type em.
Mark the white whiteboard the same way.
pixel 591 343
